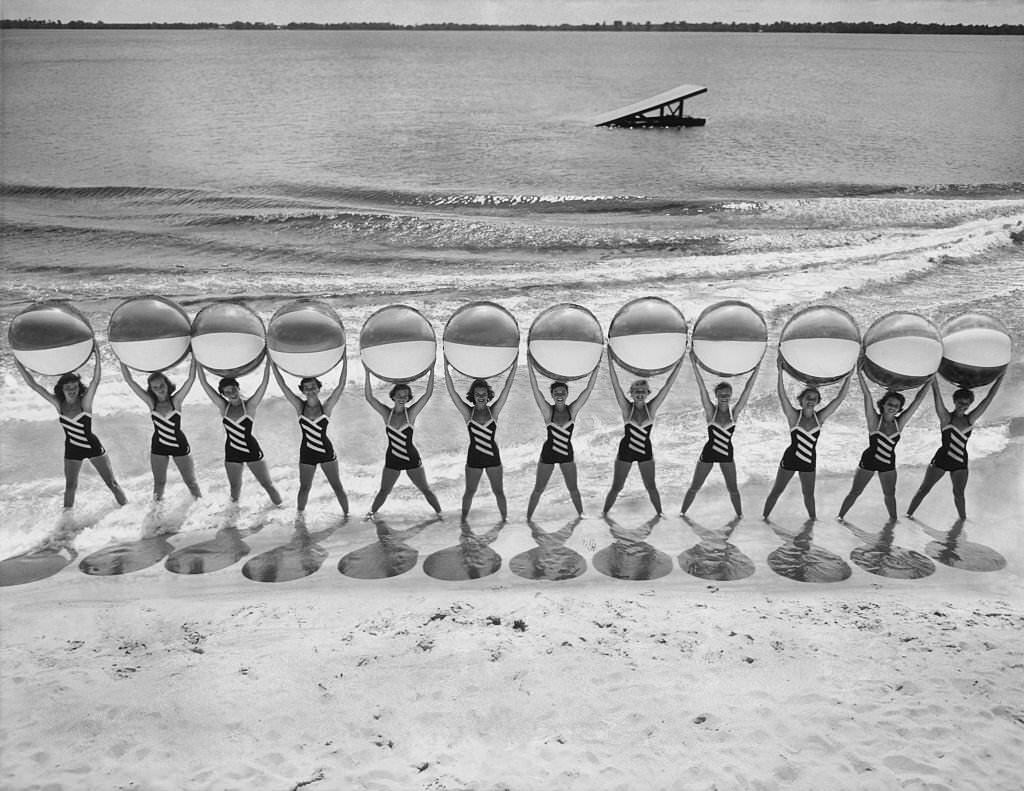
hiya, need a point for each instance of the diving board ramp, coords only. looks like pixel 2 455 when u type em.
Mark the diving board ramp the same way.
pixel 664 109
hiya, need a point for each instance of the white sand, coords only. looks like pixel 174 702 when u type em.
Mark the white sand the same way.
pixel 154 680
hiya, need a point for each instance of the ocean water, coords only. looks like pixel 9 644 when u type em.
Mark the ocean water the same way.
pixel 876 173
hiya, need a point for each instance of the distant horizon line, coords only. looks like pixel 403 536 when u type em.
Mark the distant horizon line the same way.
pixel 783 26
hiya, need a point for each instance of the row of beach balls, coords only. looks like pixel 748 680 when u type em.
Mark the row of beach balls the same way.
pixel 647 336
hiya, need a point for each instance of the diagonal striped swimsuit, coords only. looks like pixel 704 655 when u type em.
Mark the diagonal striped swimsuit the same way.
pixel 880 454
pixel 483 449
pixel 240 445
pixel 635 444
pixel 802 455
pixel 952 454
pixel 168 438
pixel 316 448
pixel 401 453
pixel 557 447
pixel 718 448
pixel 79 441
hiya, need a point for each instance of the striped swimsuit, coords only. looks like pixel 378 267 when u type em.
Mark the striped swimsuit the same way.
pixel 557 447
pixel 79 441
pixel 880 454
pixel 802 455
pixel 483 450
pixel 952 454
pixel 718 448
pixel 240 445
pixel 401 453
pixel 168 438
pixel 316 448
pixel 635 444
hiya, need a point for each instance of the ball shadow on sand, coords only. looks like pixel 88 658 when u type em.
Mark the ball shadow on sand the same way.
pixel 471 559
pixel 388 556
pixel 550 559
pixel 879 556
pixel 223 550
pixel 630 557
pixel 297 559
pixel 34 565
pixel 126 557
pixel 800 560
pixel 951 548
pixel 715 557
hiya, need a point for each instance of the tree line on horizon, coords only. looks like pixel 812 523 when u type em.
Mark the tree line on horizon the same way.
pixel 615 26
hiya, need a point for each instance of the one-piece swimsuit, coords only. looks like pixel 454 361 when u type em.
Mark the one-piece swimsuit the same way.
pixel 635 444
pixel 880 454
pixel 79 441
pixel 316 447
pixel 483 449
pixel 168 438
pixel 239 444
pixel 718 448
pixel 802 454
pixel 952 453
pixel 557 448
pixel 401 453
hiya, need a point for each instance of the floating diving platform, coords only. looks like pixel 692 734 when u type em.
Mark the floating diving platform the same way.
pixel 665 109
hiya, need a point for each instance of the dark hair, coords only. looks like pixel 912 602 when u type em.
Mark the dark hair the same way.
pixel 963 392
pixel 880 403
pixel 159 375
pixel 721 386
pixel 400 386
pixel 559 383
pixel 312 379
pixel 480 384
pixel 808 391
pixel 227 381
pixel 58 389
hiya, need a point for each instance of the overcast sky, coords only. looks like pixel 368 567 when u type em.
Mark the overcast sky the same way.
pixel 542 12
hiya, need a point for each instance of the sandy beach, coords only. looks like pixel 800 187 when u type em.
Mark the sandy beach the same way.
pixel 157 680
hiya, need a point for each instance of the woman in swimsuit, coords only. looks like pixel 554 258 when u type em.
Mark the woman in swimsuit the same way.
pixel 721 419
pixel 169 441
pixel 401 454
pixel 638 412
pixel 557 449
pixel 316 449
pixel 951 457
pixel 804 428
pixel 72 399
pixel 240 446
pixel 480 410
pixel 889 419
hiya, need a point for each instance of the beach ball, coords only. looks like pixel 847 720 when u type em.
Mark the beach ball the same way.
pixel 397 344
pixel 901 350
pixel 565 342
pixel 481 340
pixel 819 345
pixel 228 339
pixel 975 349
pixel 149 333
pixel 306 338
pixel 51 338
pixel 729 338
pixel 647 336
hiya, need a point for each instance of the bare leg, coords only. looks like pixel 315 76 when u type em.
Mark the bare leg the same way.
pixel 807 480
pixel 860 480
pixel 388 477
pixel 496 477
pixel 259 469
pixel 158 464
pixel 647 476
pixel 102 465
pixel 472 481
pixel 618 481
pixel 700 474
pixel 888 483
pixel 333 476
pixel 188 474
pixel 782 478
pixel 419 477
pixel 543 476
pixel 729 473
pixel 72 468
pixel 569 475
pixel 931 477
pixel 306 474
pixel 959 479
pixel 234 471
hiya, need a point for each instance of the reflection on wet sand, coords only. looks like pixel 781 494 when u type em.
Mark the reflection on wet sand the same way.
pixel 715 558
pixel 879 556
pixel 126 557
pixel 299 558
pixel 798 559
pixel 951 548
pixel 630 557
pixel 34 565
pixel 470 560
pixel 388 556
pixel 550 559
pixel 224 550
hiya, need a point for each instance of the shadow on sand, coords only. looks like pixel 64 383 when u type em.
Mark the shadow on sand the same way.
pixel 471 559
pixel 800 560
pixel 223 550
pixel 550 559
pixel 879 556
pixel 388 556
pixel 630 557
pixel 299 558
pixel 951 548
pixel 715 558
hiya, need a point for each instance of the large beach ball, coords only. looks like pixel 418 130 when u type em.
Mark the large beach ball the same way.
pixel 149 333
pixel 565 342
pixel 819 345
pixel 481 340
pixel 647 336
pixel 398 344
pixel 228 339
pixel 976 348
pixel 51 338
pixel 306 338
pixel 730 338
pixel 901 350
